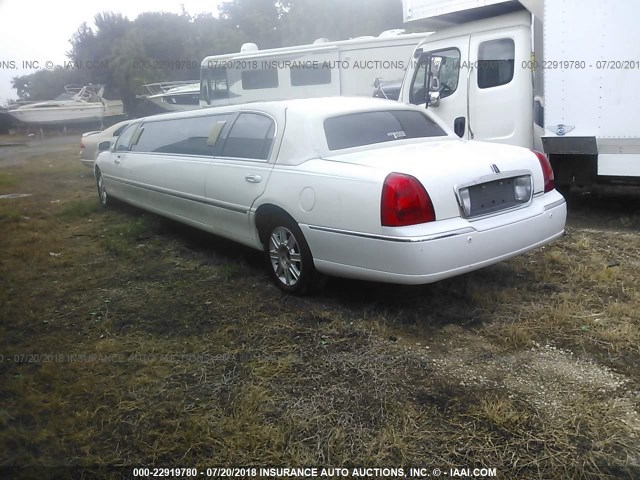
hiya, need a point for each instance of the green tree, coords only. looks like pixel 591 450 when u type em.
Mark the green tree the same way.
pixel 47 84
pixel 303 21
pixel 159 47
pixel 257 20
pixel 91 49
pixel 210 35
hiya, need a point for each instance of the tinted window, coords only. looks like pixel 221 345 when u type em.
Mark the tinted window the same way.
pixel 377 127
pixel 214 84
pixel 219 89
pixel 185 136
pixel 204 91
pixel 445 64
pixel 119 130
pixel 495 62
pixel 310 76
pixel 254 79
pixel 184 99
pixel 122 144
pixel 250 137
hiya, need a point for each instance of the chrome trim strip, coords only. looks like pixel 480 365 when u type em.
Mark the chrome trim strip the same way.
pixel 187 157
pixel 184 196
pixel 493 177
pixel 555 204
pixel 390 238
pixel 497 212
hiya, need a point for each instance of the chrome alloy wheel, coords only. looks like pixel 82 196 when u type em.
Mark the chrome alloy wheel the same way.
pixel 285 256
pixel 102 191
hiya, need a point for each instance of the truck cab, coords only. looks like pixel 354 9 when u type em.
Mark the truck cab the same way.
pixel 476 78
pixel 558 76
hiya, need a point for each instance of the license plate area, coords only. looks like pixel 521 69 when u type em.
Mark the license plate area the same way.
pixel 495 196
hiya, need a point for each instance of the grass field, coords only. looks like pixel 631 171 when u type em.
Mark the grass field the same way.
pixel 127 339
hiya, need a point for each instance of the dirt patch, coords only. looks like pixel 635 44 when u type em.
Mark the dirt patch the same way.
pixel 19 152
pixel 551 379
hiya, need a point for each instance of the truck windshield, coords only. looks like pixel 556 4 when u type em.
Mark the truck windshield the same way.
pixel 357 129
pixel 213 84
pixel 445 65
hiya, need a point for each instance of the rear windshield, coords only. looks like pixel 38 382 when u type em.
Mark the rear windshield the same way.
pixel 367 128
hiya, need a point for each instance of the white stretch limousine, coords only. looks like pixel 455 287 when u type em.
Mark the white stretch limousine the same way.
pixel 351 187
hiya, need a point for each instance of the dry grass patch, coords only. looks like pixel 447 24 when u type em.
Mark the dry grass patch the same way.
pixel 169 346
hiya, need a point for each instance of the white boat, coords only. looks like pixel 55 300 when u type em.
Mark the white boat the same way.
pixel 173 96
pixel 75 105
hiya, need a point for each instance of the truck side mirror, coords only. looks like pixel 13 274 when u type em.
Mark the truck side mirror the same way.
pixel 379 91
pixel 434 99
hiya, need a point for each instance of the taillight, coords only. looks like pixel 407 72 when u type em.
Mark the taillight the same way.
pixel 404 202
pixel 547 171
pixel 81 144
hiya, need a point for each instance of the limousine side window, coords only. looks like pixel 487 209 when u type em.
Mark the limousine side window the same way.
pixel 250 137
pixel 182 136
pixel 122 144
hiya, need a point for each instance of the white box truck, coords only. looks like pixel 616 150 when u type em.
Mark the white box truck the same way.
pixel 560 76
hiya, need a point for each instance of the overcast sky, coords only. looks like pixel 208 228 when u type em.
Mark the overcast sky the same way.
pixel 36 30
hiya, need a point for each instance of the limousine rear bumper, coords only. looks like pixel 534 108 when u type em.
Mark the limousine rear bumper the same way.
pixel 419 260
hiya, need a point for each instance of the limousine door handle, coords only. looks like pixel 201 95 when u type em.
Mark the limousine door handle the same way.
pixel 253 178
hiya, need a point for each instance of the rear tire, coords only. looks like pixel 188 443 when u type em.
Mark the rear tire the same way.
pixel 103 196
pixel 289 258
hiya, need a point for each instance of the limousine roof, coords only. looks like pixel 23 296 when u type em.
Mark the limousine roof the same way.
pixel 319 108
pixel 304 138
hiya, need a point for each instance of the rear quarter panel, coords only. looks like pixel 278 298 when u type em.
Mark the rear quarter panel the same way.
pixel 327 193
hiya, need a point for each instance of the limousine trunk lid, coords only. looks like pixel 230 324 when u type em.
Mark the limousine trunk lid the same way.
pixel 445 167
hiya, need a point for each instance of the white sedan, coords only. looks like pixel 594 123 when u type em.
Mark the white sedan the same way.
pixel 90 140
pixel 351 187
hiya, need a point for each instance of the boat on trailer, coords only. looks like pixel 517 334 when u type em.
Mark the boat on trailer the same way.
pixel 173 96
pixel 76 105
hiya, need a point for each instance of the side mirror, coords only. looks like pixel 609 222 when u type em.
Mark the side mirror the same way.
pixel 379 91
pixel 435 84
pixel 434 99
pixel 104 146
pixel 459 125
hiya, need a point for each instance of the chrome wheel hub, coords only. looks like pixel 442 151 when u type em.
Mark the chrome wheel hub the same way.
pixel 284 253
pixel 101 190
